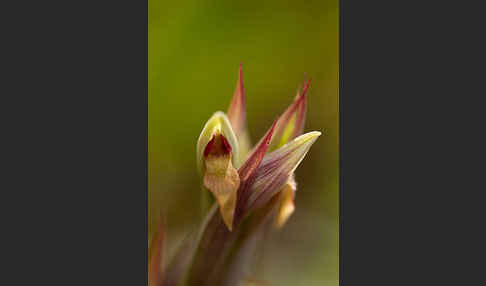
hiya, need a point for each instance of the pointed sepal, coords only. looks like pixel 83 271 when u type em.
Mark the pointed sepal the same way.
pixel 291 123
pixel 237 108
pixel 237 116
pixel 276 169
pixel 248 171
pixel 257 155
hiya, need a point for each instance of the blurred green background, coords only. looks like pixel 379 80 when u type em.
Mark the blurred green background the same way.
pixel 195 48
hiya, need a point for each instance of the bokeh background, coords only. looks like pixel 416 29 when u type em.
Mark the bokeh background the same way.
pixel 195 48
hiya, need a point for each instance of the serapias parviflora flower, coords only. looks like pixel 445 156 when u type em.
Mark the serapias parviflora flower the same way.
pixel 242 179
pixel 254 188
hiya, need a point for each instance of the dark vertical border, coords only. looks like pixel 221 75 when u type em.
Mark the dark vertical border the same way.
pixel 403 112
pixel 76 81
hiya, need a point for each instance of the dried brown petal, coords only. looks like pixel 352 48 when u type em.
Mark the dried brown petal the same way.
pixel 287 207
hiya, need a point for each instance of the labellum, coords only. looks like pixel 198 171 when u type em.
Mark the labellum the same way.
pixel 217 154
pixel 220 177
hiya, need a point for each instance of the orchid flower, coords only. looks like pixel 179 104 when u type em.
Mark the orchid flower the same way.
pixel 253 190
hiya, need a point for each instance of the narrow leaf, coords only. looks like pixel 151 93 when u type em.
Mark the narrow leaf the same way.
pixel 156 253
pixel 219 251
pixel 214 244
pixel 246 259
pixel 185 257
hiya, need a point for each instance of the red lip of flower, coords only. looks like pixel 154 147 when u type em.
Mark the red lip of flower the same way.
pixel 248 184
